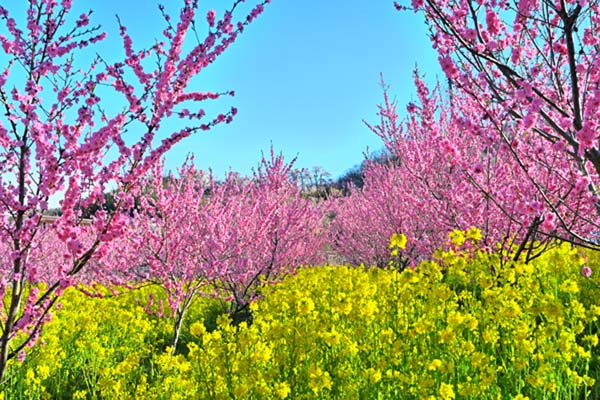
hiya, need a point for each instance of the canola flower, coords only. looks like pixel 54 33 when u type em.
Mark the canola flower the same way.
pixel 467 325
pixel 397 242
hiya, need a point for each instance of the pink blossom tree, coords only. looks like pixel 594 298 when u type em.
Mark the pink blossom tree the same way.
pixel 532 72
pixel 59 137
pixel 164 242
pixel 440 179
pixel 195 236
pixel 286 232
pixel 420 190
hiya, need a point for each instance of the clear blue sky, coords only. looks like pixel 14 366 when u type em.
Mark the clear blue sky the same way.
pixel 305 75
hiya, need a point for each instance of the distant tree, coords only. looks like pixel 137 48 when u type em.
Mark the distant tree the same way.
pixel 354 177
pixel 320 178
pixel 107 204
pixel 303 177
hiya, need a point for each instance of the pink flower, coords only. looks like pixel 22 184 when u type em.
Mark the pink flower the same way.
pixel 560 48
pixel 586 137
pixel 493 22
pixel 478 168
pixel 417 4
pixel 586 271
pixel 549 223
pixel 582 183
pixel 558 145
pixel 83 20
pixel 210 17
pixel 448 67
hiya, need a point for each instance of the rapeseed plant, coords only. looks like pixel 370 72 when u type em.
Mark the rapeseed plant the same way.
pixel 461 326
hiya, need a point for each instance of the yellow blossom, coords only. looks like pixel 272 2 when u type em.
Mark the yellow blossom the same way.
pixel 398 241
pixel 446 391
pixel 282 390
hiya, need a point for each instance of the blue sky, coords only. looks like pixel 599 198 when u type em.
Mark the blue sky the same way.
pixel 305 75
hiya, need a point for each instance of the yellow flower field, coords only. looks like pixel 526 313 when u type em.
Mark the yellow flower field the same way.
pixel 463 327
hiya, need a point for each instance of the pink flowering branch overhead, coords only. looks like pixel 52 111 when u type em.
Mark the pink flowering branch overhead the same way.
pixel 61 136
pixel 532 68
